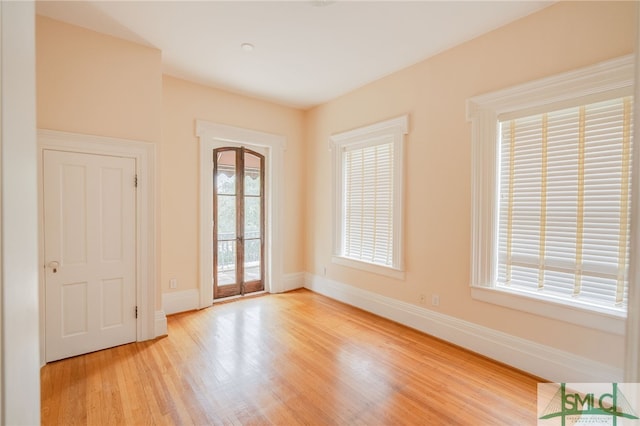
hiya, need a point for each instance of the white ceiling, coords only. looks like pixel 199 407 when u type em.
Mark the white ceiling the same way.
pixel 306 52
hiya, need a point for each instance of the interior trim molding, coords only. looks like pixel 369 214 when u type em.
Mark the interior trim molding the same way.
pixel 597 82
pixel 180 301
pixel 591 82
pixel 293 281
pixel 390 131
pixel 189 300
pixel 212 136
pixel 161 324
pixel 540 360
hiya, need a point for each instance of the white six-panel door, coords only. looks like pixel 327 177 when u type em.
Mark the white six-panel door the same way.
pixel 90 252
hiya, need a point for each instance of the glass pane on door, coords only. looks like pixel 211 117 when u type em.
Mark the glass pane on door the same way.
pixel 226 199
pixel 226 217
pixel 252 260
pixel 252 174
pixel 226 256
pixel 226 172
pixel 227 271
pixel 253 205
pixel 252 217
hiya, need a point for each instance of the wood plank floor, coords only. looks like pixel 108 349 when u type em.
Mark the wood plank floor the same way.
pixel 287 359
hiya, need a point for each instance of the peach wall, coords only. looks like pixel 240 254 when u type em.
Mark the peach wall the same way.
pixel 183 103
pixel 91 83
pixel 95 84
pixel 561 37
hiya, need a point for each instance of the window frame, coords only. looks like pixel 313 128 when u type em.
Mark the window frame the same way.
pixel 394 129
pixel 605 80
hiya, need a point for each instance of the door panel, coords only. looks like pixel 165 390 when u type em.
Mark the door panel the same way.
pixel 113 292
pixel 90 241
pixel 74 307
pixel 73 223
pixel 239 222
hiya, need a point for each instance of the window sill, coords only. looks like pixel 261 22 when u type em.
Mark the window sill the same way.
pixel 603 319
pixel 369 267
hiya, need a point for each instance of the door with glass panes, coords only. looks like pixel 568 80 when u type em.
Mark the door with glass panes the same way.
pixel 238 229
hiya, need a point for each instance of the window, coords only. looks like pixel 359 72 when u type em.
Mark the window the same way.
pixel 368 180
pixel 564 211
pixel 551 194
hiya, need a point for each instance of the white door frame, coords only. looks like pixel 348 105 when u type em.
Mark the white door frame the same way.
pixel 150 323
pixel 212 136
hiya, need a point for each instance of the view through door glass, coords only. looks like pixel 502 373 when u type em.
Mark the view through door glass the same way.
pixel 238 230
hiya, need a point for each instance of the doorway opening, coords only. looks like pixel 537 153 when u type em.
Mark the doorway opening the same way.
pixel 239 219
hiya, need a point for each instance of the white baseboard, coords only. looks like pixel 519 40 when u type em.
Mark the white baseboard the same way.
pixel 160 324
pixel 293 281
pixel 540 360
pixel 188 300
pixel 180 301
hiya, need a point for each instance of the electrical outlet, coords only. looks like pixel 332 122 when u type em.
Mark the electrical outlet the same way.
pixel 173 283
pixel 435 300
pixel 423 298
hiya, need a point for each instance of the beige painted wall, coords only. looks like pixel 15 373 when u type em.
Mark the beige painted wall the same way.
pixel 561 37
pixel 96 84
pixel 183 103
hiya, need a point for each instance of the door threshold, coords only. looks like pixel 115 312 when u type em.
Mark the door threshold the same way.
pixel 240 296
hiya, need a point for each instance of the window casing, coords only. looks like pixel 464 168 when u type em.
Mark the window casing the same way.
pixel 529 207
pixel 368 196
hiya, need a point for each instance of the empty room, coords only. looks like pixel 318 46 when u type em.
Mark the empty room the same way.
pixel 319 212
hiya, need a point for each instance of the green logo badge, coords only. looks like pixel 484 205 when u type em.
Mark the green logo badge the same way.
pixel 588 404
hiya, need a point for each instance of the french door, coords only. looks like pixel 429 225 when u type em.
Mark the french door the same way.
pixel 238 228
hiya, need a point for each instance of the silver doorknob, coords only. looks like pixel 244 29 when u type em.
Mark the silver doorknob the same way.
pixel 54 265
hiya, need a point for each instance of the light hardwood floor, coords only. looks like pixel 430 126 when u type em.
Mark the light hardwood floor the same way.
pixel 287 359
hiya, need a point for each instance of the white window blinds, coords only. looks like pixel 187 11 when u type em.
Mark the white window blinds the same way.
pixel 564 202
pixel 368 202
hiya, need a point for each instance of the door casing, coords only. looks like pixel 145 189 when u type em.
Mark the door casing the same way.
pixel 212 136
pixel 151 323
